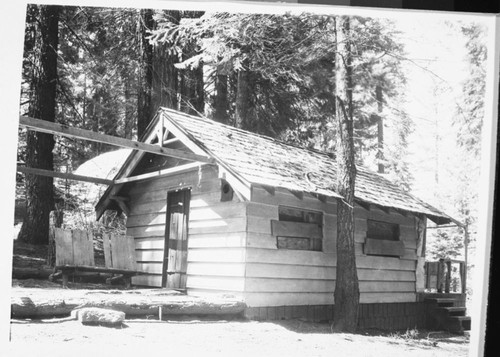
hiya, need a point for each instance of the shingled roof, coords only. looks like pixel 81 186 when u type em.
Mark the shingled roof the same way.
pixel 262 160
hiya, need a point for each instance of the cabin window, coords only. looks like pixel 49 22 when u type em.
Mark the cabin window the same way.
pixel 383 239
pixel 382 230
pixel 298 229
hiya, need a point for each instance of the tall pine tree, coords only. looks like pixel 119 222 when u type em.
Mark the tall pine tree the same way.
pixel 43 22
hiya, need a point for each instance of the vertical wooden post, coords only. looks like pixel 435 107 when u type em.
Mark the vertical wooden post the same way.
pixel 56 220
pixel 439 279
pixel 463 277
pixel 427 275
pixel 448 277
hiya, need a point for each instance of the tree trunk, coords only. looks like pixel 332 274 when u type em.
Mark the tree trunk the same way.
pixel 346 285
pixel 129 112
pixel 243 102
pixel 380 130
pixel 39 189
pixel 192 91
pixel 165 75
pixel 221 99
pixel 146 72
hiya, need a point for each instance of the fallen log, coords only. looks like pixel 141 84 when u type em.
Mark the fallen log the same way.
pixel 133 305
pixel 31 273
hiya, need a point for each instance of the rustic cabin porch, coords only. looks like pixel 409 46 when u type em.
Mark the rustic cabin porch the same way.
pixel 445 295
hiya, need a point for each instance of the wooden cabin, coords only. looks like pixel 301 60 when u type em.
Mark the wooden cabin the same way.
pixel 247 215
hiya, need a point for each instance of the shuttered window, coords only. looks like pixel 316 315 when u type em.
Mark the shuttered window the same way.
pixel 383 238
pixel 382 230
pixel 298 229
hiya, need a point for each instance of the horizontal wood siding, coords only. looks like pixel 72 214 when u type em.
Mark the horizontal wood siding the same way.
pixel 276 277
pixel 208 217
pixel 216 245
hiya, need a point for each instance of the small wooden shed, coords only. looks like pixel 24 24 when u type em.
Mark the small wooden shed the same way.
pixel 247 215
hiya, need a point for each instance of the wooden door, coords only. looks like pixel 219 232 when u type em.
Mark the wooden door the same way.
pixel 176 233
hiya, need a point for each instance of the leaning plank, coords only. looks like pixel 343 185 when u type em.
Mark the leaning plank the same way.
pixel 64 130
pixel 41 172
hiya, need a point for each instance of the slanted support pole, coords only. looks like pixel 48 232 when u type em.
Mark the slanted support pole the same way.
pixel 64 130
pixel 42 172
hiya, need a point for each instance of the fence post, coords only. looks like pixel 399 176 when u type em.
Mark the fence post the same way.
pixel 55 221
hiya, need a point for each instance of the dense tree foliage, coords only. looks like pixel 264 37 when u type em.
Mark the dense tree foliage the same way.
pixel 271 74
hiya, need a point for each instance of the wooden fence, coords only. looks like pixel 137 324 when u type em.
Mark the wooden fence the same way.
pixel 76 248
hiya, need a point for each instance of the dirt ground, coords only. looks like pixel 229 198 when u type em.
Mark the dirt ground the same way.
pixel 220 337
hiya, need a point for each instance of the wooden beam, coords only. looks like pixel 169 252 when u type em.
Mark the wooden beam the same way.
pixel 160 131
pixel 298 194
pixel 401 212
pixel 270 189
pixel 319 196
pixel 42 172
pixel 120 198
pixel 365 205
pixel 160 173
pixel 170 141
pixel 385 209
pixel 121 203
pixel 64 130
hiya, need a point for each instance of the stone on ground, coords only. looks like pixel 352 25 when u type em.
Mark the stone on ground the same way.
pixel 98 316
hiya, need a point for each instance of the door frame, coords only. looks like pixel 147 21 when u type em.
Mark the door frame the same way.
pixel 186 205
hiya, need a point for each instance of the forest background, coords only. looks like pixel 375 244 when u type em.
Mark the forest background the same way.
pixel 418 98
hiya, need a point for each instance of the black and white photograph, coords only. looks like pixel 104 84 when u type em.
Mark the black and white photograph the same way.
pixel 247 178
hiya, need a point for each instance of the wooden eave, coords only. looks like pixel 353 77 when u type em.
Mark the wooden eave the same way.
pixel 439 220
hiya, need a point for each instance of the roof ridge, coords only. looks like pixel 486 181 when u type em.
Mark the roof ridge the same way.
pixel 246 132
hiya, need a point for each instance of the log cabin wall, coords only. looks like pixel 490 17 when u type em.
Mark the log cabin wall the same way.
pixel 216 237
pixel 286 277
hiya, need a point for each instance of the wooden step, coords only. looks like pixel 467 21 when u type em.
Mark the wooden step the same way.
pixel 442 302
pixel 452 310
pixel 458 324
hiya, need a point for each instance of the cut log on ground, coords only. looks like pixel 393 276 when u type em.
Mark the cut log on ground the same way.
pixel 31 273
pixel 134 303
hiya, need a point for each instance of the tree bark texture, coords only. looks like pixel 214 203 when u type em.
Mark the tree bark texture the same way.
pixel 346 286
pixel 39 146
pixel 192 91
pixel 380 129
pixel 221 103
pixel 146 23
pixel 165 75
pixel 243 99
